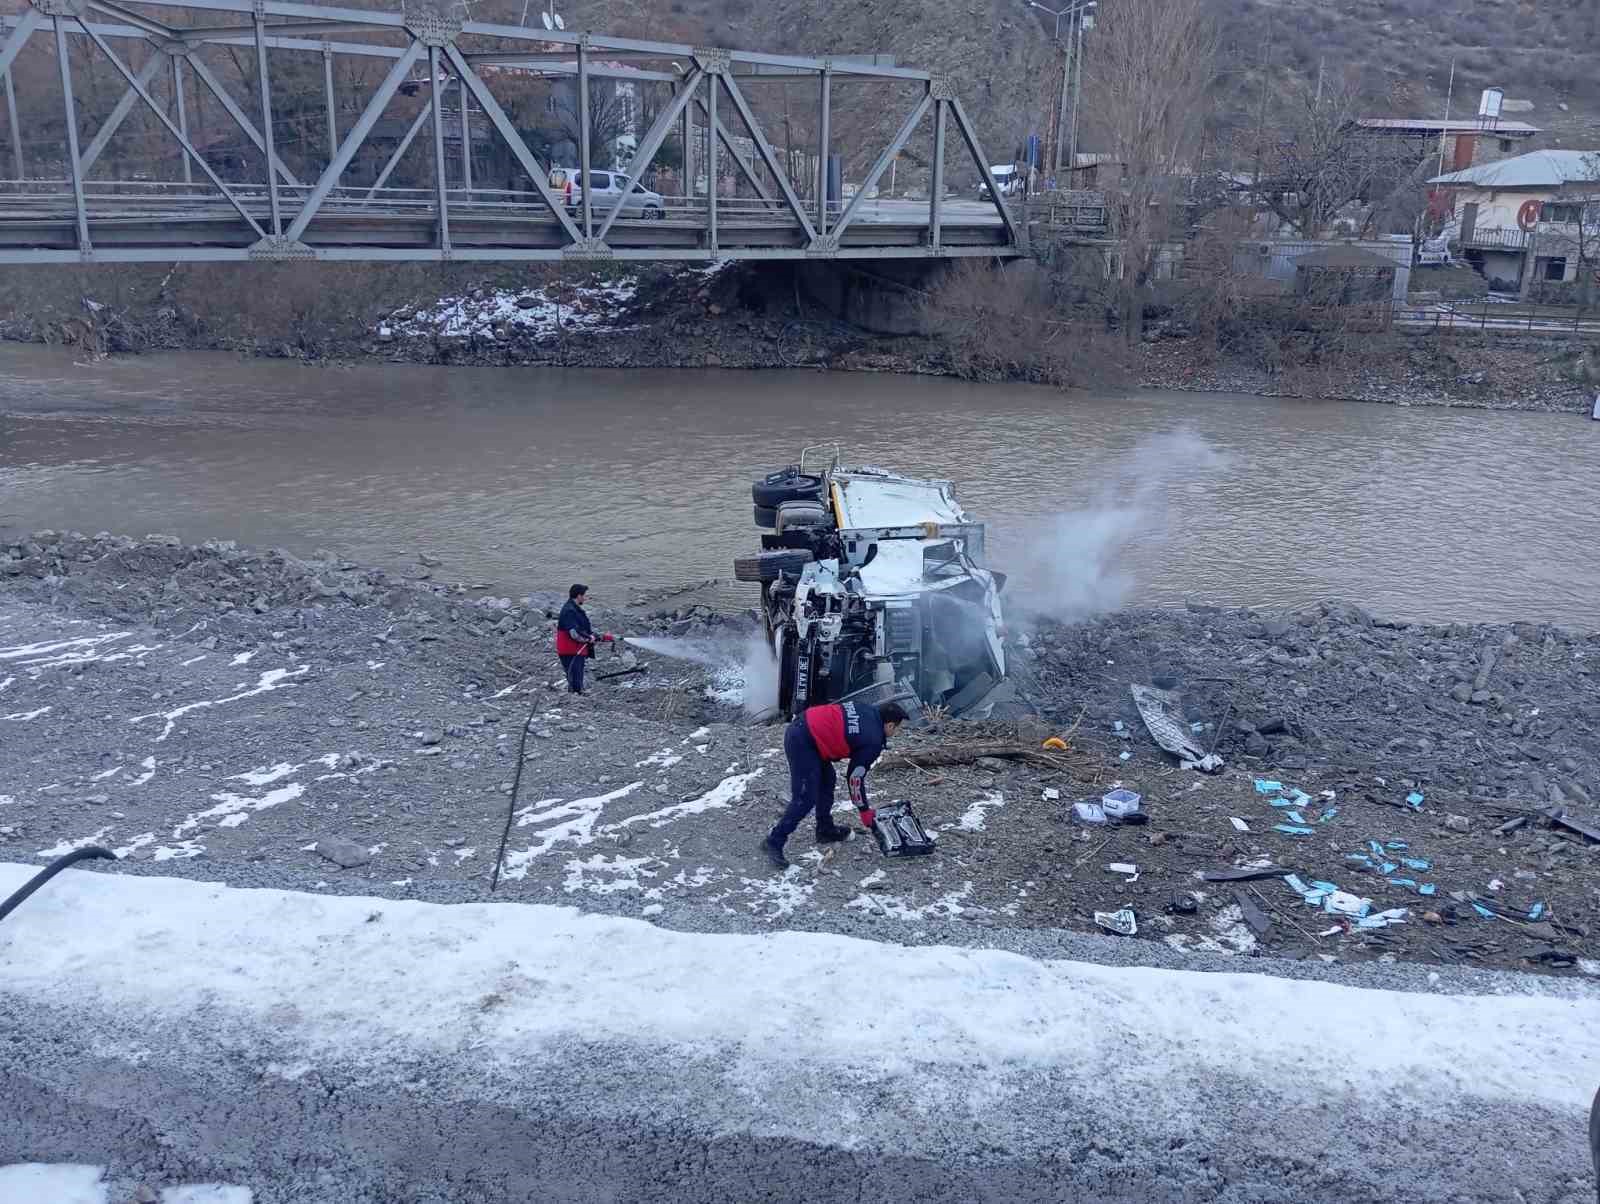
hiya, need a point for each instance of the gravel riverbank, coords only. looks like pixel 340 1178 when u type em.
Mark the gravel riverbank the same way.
pixel 269 721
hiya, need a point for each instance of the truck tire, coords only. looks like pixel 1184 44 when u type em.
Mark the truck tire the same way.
pixel 790 485
pixel 789 516
pixel 766 517
pixel 769 566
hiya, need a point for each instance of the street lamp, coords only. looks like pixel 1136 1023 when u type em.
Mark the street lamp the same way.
pixel 1072 62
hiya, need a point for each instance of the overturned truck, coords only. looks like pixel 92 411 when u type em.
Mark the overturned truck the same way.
pixel 873 587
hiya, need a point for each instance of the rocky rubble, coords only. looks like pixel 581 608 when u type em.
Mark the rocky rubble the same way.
pixel 305 722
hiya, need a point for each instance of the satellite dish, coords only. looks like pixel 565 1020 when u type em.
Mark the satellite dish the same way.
pixel 560 24
pixel 545 17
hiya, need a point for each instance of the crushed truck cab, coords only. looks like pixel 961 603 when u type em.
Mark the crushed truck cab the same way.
pixel 873 587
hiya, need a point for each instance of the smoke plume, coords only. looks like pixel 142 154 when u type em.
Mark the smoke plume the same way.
pixel 1077 564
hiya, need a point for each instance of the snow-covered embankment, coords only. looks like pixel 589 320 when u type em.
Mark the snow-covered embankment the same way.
pixel 417 1052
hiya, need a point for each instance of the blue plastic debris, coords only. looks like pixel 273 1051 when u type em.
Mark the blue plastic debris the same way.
pixel 1377 849
pixel 1299 887
pixel 1292 830
pixel 1294 817
pixel 1326 887
pixel 1402 881
pixel 1282 802
pixel 1415 800
pixel 1483 911
pixel 1327 815
pixel 1265 787
pixel 1397 844
pixel 1416 863
pixel 1536 911
pixel 1361 857
pixel 1395 915
pixel 1388 867
pixel 1427 888
pixel 1300 797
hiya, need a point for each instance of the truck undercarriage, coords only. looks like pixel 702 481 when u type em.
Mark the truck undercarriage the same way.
pixel 872 587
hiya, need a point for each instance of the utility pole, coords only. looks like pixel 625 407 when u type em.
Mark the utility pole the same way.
pixel 1061 104
pixel 1077 80
pixel 1071 68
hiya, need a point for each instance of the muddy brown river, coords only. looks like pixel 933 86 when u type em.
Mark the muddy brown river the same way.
pixel 634 481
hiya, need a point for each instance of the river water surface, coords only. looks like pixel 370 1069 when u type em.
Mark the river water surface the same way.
pixel 532 478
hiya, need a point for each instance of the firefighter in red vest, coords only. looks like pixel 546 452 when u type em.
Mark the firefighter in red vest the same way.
pixel 575 638
pixel 816 739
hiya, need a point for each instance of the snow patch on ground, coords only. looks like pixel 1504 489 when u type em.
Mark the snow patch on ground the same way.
pixel 45 1183
pixel 577 823
pixel 564 823
pixel 894 907
pixel 67 846
pixel 973 819
pixel 780 896
pixel 272 679
pixel 602 875
pixel 47 654
pixel 724 794
pixel 72 1183
pixel 542 312
pixel 233 809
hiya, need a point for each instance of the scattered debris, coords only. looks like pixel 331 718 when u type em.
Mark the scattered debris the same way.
pixel 1122 922
pixel 1458 823
pixel 1238 824
pixel 1342 903
pixel 1089 811
pixel 1584 828
pixel 1250 874
pixel 1120 803
pixel 1125 867
pixel 1253 915
pixel 1162 712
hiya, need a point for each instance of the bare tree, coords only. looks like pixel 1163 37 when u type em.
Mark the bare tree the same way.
pixel 1316 160
pixel 1148 79
pixel 1587 230
pixel 610 117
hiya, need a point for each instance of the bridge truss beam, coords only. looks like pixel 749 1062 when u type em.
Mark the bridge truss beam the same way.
pixel 77 218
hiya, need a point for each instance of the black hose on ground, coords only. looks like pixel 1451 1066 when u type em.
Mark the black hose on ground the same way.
pixel 511 807
pixel 50 871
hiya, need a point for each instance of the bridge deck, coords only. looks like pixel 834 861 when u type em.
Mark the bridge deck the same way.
pixel 155 224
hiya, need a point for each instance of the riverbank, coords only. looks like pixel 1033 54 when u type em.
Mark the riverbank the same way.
pixel 726 316
pixel 269 721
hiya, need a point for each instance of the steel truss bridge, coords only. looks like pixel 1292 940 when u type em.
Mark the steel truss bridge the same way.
pixel 204 217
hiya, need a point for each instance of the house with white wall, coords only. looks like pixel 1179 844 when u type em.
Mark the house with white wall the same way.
pixel 1532 217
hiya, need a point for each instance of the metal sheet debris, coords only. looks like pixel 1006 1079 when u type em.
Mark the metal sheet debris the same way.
pixel 1253 915
pixel 1162 712
pixel 1250 874
pixel 1122 922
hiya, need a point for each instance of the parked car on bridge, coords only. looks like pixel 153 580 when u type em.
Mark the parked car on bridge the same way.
pixel 1008 176
pixel 605 191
